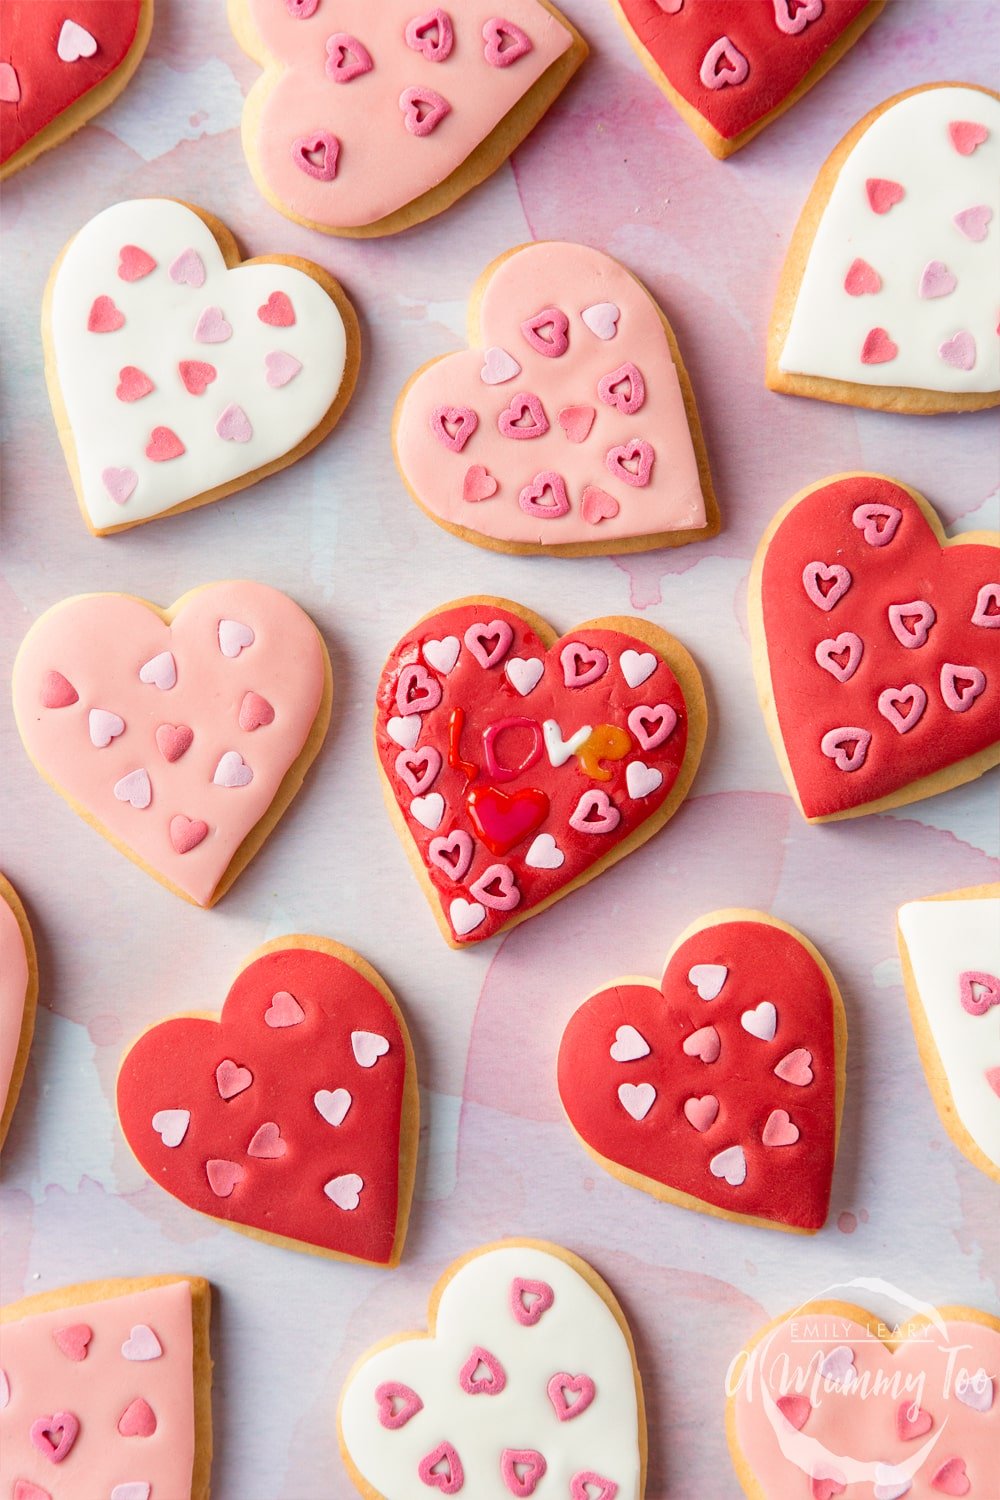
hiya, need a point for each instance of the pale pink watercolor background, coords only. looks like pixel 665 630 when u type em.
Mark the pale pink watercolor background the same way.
pixel 614 166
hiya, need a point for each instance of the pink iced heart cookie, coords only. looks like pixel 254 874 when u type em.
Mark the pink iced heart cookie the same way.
pixel 432 1414
pixel 888 296
pixel 18 998
pixel 157 692
pixel 171 386
pixel 369 129
pixel 521 773
pixel 105 1382
pixel 577 407
pixel 827 1402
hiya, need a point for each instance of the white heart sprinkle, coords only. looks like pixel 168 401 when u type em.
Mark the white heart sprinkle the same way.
pixel 629 1045
pixel 558 749
pixel 160 671
pixel 498 367
pixel 642 780
pixel 104 727
pixel 74 42
pixel 232 770
pixel 891 1483
pixel 708 979
pixel 637 666
pixel 135 788
pixel 637 1099
pixel 428 810
pixel 975 1391
pixel 466 916
pixel 761 1022
pixel 345 1191
pixel 368 1047
pixel 234 637
pixel 171 1125
pixel 442 655
pixel 602 319
pixel 544 853
pixel 524 673
pixel 142 1344
pixel 405 731
pixel 333 1105
pixel 730 1164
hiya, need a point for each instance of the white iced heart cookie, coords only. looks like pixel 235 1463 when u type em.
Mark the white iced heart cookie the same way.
pixel 889 293
pixel 527 1374
pixel 950 947
pixel 177 374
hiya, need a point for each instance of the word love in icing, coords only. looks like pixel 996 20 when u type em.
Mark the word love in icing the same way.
pixel 517 766
pixel 950 946
pixel 181 735
pixel 525 1383
pixel 63 62
pixel 730 67
pixel 824 1404
pixel 103 1392
pixel 294 1116
pixel 889 295
pixel 876 647
pixel 720 1088
pixel 18 997
pixel 371 118
pixel 569 426
pixel 178 374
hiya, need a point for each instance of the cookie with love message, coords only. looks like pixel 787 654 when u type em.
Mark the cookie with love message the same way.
pixel 832 1401
pixel 516 766
pixel 950 948
pixel 293 1117
pixel 889 294
pixel 569 425
pixel 63 62
pixel 721 1088
pixel 526 1382
pixel 876 647
pixel 730 67
pixel 105 1390
pixel 370 118
pixel 18 999
pixel 180 734
pixel 179 373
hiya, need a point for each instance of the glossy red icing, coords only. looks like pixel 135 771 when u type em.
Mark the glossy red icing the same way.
pixel 788 1184
pixel 48 86
pixel 173 1067
pixel 911 566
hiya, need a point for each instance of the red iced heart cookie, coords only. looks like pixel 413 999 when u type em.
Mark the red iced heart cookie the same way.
pixel 317 1149
pixel 18 999
pixel 718 1127
pixel 61 58
pixel 546 760
pixel 918 712
pixel 369 129
pixel 154 749
pixel 574 401
pixel 730 67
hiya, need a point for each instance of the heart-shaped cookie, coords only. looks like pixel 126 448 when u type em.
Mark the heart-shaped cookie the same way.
pixel 876 647
pixel 294 1116
pixel 731 67
pixel 179 374
pixel 517 766
pixel 18 999
pixel 133 714
pixel 732 1104
pixel 62 65
pixel 831 1400
pixel 105 1390
pixel 888 297
pixel 371 118
pixel 525 1380
pixel 569 425
pixel 950 948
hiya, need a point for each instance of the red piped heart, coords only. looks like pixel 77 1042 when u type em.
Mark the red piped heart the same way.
pixel 502 821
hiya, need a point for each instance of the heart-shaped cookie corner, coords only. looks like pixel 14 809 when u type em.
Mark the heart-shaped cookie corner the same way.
pixel 517 766
pixel 520 1317
pixel 293 1117
pixel 876 647
pixel 124 708
pixel 370 130
pixel 179 373
pixel 568 426
pixel 18 998
pixel 721 1088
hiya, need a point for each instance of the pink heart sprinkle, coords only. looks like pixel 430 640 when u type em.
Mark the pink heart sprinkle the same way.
pixel 223 1176
pixel 54 1436
pixel 951 1478
pixel 255 712
pixel 705 1044
pixel 163 445
pixel 701 1113
pixel 74 42
pixel 959 351
pixel 624 389
pixel 234 425
pixel 134 263
pixel 212 328
pixel 547 332
pixel 346 57
pixel 631 462
pixel 234 637
pixel 532 498
pixel 277 311
pixel 431 34
pixel 231 1079
pixel 878 348
pixel 10 88
pixel 284 1010
pixel 961 686
pixel 724 65
pixel 172 740
pixel 796 1410
pixel 186 833
pixel 862 279
pixel 423 110
pixel 511 420
pixel 912 1421
pixel 266 1142
pixel 936 280
pixel 576 422
pixel 57 691
pixel 878 524
pixel 841 655
pixel 825 583
pixel 883 194
pixel 104 316
pixel 478 484
pixel 521 1469
pixel 493 1379
pixel 652 727
pixel 911 623
pixel 119 483
pixel 418 769
pixel 796 1068
pixel 496 888
pixel 570 1395
pixel 582 665
pixel 903 707
pixel 987 610
pixel 583 1485
pixel 505 43
pixel 397 1404
pixel 452 853
pixel 441 1469
pixel 25 1490
pixel 847 747
pixel 966 135
pixel 133 384
pixel 142 1344
pixel 793 16
pixel 530 1300
pixel 135 789
pixel 317 155
pixel 974 222
pixel 196 375
pixel 779 1129
pixel 280 368
pixel 232 771
pixel 188 269
pixel 73 1341
pixel 597 505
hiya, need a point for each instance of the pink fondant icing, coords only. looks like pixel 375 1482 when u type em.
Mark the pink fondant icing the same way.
pixel 97 1391
pixel 570 278
pixel 13 992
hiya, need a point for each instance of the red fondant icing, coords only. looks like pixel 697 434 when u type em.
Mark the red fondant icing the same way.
pixel 174 1066
pixel 787 1186
pixel 912 565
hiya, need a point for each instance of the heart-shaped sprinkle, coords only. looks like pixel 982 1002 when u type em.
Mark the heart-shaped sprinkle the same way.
pixel 796 1068
pixel 255 712
pixel 702 1112
pixel 197 375
pixel 317 155
pixel 442 655
pixel 936 280
pixel 232 1079
pixel 878 524
pixel 708 979
pixel 104 316
pixel 530 1300
pixel 637 1099
pixel 212 327
pixel 187 833
pixel 570 1395
pixel 173 740
pixel 397 1404
pixel 4 1390
pixel 952 1478
pixel 891 1482
pixel 74 42
pixel 428 810
pixel 452 853
pixel 878 348
pixel 524 673
pixel 841 655
pixel 761 1022
pixel 629 1045
pixel 73 1341
pixel 278 311
pixel 266 1143
pixel 847 747
pixel 862 280
pixel 138 1419
pixel 134 788
pixel 589 1485
pixel 119 483
pixel 441 1469
pixel 596 505
pixel 987 610
pixel 505 43
pixel 223 1176
pixel 163 445
pixel 234 637
pixel 730 1165
pixel 975 1391
pixel 234 424
pixel 333 1105
pixel 602 319
pixel 346 58
pixel 187 269
pixel 652 725
pixel 160 671
pixel 478 484
pixel 883 194
pixel 368 1047
pixel 576 422
pixel 280 368
pixel 498 367
pixel 284 1010
pixel 232 770
pixel 544 853
pixel 974 222
pixel 132 1489
pixel 779 1129
pixel 724 65
pixel 345 1191
pixel 133 384
pixel 959 351
pixel 966 135
pixel 912 1421
pixel 903 707
pixel 423 110
pixel 839 1368
pixel 482 1374
pixel 431 34
pixel 54 1436
pixel 796 1410
pixel 547 332
pixel 705 1043
pixel 521 1469
pixel 142 1344
pixel 10 86
pixel 466 916
pixel 642 780
pixel 104 727
pixel 57 691
pixel 405 731
pixel 171 1125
